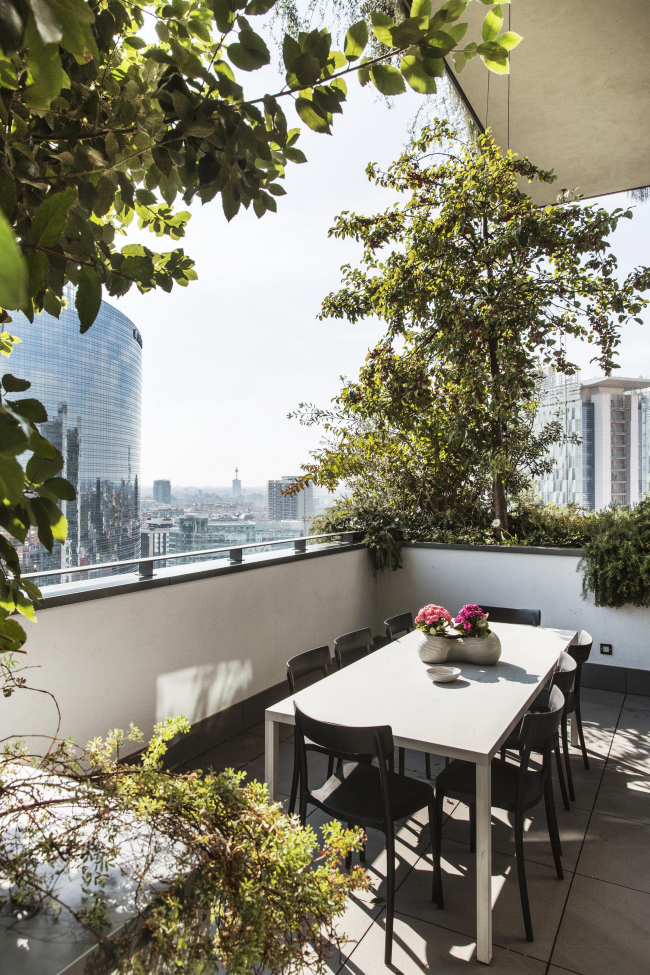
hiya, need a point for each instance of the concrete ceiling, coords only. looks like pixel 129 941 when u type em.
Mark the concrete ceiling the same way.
pixel 579 92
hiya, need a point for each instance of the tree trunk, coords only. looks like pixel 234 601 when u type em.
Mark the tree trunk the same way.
pixel 500 504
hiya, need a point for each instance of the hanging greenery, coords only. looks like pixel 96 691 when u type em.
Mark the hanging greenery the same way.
pixel 616 564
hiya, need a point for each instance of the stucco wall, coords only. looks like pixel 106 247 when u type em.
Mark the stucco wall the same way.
pixel 452 577
pixel 193 648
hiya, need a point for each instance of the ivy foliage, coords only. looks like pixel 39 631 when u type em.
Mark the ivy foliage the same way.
pixel 483 287
pixel 616 564
pixel 101 126
pixel 218 877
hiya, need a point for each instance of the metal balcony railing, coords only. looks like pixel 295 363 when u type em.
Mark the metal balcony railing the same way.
pixel 235 555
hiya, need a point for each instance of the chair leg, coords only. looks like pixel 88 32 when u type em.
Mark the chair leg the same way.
pixel 553 831
pixel 472 828
pixel 330 767
pixel 567 758
pixel 433 830
pixel 436 837
pixel 521 874
pixel 401 753
pixel 560 778
pixel 390 893
pixel 427 764
pixel 581 736
pixel 294 788
pixel 362 852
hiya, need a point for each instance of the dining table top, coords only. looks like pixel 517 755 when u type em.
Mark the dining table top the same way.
pixel 469 718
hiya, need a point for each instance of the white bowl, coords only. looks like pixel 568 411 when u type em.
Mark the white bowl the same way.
pixel 443 675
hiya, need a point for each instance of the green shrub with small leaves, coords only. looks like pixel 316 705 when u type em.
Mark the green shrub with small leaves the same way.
pixel 616 563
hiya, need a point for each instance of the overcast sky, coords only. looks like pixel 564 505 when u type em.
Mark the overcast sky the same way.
pixel 228 357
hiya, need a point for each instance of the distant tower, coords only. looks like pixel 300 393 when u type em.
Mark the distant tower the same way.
pixel 236 485
pixel 162 491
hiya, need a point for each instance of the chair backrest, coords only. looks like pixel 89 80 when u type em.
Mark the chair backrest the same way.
pixel 565 673
pixel 580 652
pixel 503 614
pixel 305 664
pixel 337 739
pixel 398 624
pixel 538 729
pixel 352 646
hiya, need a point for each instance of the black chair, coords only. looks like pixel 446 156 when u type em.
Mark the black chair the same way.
pixel 515 788
pixel 352 646
pixel 563 679
pixel 316 661
pixel 361 794
pixel 580 652
pixel 501 614
pixel 396 625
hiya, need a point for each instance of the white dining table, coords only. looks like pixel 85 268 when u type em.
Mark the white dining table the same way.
pixel 468 719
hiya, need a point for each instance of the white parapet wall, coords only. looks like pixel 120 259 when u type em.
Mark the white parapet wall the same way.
pixel 192 648
pixel 452 577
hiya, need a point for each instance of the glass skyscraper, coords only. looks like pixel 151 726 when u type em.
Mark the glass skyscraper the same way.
pixel 91 387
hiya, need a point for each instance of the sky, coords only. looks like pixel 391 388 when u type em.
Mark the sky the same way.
pixel 226 359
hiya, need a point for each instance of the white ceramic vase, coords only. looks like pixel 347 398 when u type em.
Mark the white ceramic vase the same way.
pixel 483 650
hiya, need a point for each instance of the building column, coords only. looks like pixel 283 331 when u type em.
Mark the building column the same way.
pixel 633 450
pixel 602 449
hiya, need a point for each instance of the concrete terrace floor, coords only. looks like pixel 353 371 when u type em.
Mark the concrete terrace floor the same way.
pixel 594 922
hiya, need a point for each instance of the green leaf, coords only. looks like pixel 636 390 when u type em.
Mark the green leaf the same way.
pixel 12 478
pixel 42 519
pixel 13 385
pixel 61 488
pixel 387 79
pixel 13 269
pixel 48 26
pixel 498 67
pixel 37 264
pixel 304 72
pixel 509 40
pixel 224 15
pixel 356 40
pixel 258 7
pixel 295 155
pixel 12 636
pixel 290 50
pixel 39 469
pixel 382 26
pixel 417 76
pixel 25 606
pixel 33 409
pixel 88 298
pixel 45 65
pixel 421 8
pixel 307 112
pixel 492 23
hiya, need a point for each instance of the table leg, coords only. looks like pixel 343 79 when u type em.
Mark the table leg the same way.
pixel 575 741
pixel 272 757
pixel 483 863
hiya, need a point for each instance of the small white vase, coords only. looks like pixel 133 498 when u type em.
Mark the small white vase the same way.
pixel 484 650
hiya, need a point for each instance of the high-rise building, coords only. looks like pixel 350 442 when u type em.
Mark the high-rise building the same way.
pixel 611 416
pixel 162 491
pixel 297 507
pixel 91 387
pixel 236 485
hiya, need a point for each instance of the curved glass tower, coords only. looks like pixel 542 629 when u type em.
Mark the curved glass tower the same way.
pixel 91 387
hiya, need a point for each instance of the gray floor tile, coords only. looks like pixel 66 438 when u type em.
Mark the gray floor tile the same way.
pixel 420 946
pixel 317 766
pixel 547 899
pixel 624 792
pixel 618 851
pixel 234 753
pixel 593 695
pixel 631 743
pixel 586 782
pixel 537 847
pixel 599 723
pixel 604 930
pixel 637 702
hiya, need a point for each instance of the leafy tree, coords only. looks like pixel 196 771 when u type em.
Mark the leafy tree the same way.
pixel 484 287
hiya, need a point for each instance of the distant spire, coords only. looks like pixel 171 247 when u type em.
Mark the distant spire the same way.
pixel 236 472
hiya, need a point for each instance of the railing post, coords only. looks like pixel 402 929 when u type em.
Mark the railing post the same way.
pixel 146 569
pixel 236 555
pixel 300 545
